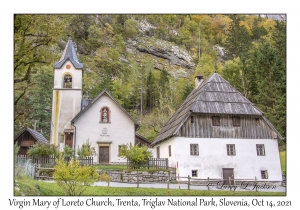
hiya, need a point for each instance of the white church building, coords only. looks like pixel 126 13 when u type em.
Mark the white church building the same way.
pixel 218 133
pixel 102 121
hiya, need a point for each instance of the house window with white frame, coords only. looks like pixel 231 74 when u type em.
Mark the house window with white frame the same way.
pixel 170 152
pixel 260 150
pixel 157 152
pixel 194 173
pixel 230 149
pixel 194 150
pixel 264 174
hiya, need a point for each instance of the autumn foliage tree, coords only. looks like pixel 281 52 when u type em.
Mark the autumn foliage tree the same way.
pixel 136 154
pixel 72 177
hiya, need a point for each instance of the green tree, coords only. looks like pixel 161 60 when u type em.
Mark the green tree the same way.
pixel 279 38
pixel 206 65
pixel 238 41
pixel 68 151
pixel 258 30
pixel 39 103
pixel 232 73
pixel 131 28
pixel 136 154
pixel 163 82
pixel 72 177
pixel 41 149
pixel 86 150
pixel 34 40
pixel 270 77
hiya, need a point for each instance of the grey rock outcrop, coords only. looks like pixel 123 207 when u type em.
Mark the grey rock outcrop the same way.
pixel 166 50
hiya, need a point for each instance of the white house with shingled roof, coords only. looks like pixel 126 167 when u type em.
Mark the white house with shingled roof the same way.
pixel 218 133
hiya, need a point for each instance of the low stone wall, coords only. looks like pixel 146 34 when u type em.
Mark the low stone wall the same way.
pixel 142 176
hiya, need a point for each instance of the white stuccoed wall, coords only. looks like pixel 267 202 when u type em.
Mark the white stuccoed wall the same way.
pixel 213 157
pixel 120 131
pixel 66 102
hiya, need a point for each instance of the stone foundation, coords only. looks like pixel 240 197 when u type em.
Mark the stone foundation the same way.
pixel 142 176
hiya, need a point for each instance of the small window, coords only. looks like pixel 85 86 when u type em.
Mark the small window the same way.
pixel 257 122
pixel 61 138
pixel 157 152
pixel 216 121
pixel 194 173
pixel 192 119
pixel 236 121
pixel 264 174
pixel 170 151
pixel 260 150
pixel 194 149
pixel 67 81
pixel 231 149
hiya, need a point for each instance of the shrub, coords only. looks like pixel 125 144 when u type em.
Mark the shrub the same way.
pixel 137 155
pixel 72 177
pixel 40 149
pixel 105 178
pixel 86 150
pixel 68 151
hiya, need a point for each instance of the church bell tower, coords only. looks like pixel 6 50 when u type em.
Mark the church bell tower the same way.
pixel 66 98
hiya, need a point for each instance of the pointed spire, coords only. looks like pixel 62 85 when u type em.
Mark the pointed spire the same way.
pixel 69 54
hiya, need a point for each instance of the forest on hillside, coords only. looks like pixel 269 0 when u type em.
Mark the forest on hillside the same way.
pixel 148 62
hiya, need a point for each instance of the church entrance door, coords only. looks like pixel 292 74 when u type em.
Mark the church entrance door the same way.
pixel 69 139
pixel 104 154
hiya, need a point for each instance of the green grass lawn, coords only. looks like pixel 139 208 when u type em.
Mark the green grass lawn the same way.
pixel 283 161
pixel 30 187
pixel 111 167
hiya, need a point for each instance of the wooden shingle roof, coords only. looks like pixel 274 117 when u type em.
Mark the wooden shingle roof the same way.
pixel 214 96
pixel 38 136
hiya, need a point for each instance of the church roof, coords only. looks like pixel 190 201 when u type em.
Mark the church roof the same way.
pixel 69 54
pixel 38 136
pixel 90 103
pixel 214 96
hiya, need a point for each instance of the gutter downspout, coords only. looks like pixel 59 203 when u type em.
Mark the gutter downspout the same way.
pixel 74 139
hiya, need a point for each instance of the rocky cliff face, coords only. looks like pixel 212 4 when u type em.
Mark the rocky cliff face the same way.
pixel 163 54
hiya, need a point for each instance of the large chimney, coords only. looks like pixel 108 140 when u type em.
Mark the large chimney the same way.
pixel 198 80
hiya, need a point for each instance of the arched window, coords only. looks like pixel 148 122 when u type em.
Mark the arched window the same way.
pixel 67 83
pixel 105 115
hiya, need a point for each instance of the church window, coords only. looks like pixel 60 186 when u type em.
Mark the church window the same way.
pixel 67 81
pixel 105 115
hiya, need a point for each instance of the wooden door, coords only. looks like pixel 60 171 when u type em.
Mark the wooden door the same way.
pixel 104 155
pixel 69 140
pixel 228 172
